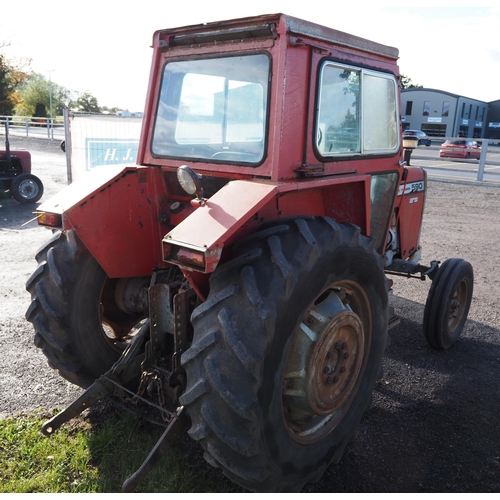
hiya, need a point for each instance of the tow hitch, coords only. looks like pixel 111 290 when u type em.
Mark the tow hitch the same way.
pixel 112 383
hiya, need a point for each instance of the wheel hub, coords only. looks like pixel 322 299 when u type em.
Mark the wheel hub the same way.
pixel 28 189
pixel 335 363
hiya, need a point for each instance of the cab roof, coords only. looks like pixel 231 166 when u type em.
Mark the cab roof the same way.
pixel 266 26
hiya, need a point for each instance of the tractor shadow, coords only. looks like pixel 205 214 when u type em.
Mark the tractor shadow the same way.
pixel 433 426
pixel 434 423
pixel 16 216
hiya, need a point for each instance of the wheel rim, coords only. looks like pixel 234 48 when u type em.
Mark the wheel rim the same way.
pixel 28 189
pixel 326 361
pixel 458 305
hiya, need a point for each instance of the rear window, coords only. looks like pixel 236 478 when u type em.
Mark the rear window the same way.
pixel 213 109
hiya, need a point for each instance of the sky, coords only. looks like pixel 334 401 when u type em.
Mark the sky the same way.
pixel 104 46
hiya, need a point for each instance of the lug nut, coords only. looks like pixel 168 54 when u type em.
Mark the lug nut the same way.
pixel 342 369
pixel 344 345
pixel 346 355
pixel 328 380
pixel 335 380
pixel 329 355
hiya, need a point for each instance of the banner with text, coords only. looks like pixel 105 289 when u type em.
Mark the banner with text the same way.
pixel 100 140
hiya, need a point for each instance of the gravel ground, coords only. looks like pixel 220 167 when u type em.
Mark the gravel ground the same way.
pixel 434 425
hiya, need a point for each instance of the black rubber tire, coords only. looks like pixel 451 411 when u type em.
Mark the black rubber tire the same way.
pixel 243 335
pixel 67 311
pixel 448 303
pixel 26 188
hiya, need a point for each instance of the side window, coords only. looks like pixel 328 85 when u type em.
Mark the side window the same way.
pixel 357 112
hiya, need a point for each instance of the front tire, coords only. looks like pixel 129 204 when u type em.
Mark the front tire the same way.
pixel 77 323
pixel 286 352
pixel 26 188
pixel 448 303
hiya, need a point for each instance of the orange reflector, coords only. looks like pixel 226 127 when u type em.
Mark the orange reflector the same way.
pixel 48 219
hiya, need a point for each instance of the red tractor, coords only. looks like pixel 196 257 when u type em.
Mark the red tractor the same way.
pixel 234 280
pixel 15 174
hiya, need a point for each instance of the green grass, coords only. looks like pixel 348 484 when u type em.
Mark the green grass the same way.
pixel 82 458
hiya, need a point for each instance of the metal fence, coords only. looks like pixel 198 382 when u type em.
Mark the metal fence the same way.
pixel 29 126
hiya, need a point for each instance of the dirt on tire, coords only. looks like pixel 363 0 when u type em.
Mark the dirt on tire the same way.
pixel 434 423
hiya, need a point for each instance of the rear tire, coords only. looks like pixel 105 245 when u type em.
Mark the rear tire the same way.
pixel 71 310
pixel 286 352
pixel 448 303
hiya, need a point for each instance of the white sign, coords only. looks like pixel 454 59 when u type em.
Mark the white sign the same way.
pixel 434 119
pixel 100 140
pixel 494 125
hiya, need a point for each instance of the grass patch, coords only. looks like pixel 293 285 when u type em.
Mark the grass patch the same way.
pixel 85 458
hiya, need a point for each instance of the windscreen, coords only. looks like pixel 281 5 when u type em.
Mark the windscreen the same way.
pixel 213 109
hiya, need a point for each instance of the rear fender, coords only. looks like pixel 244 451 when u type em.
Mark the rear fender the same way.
pixel 114 211
pixel 239 208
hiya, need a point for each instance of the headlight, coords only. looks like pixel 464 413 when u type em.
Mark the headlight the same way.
pixel 189 180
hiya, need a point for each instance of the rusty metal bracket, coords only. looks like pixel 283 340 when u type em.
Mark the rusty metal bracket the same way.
pixel 104 385
pixel 182 312
pixel 310 170
pixel 179 422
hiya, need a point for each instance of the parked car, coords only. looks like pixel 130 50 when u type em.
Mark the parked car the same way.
pixel 460 148
pixel 422 137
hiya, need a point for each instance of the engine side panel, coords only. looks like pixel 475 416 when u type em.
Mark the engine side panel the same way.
pixel 411 197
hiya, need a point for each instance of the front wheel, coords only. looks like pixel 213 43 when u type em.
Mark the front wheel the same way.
pixel 26 188
pixel 286 351
pixel 448 303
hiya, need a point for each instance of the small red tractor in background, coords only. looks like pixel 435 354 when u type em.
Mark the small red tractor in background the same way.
pixel 15 174
pixel 234 280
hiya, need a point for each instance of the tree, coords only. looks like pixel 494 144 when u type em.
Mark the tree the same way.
pixel 110 111
pixel 12 75
pixel 35 96
pixel 86 103
pixel 406 83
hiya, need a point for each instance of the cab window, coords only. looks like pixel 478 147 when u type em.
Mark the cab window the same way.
pixel 213 109
pixel 357 112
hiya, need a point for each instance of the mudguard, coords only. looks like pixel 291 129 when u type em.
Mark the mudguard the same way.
pixel 114 211
pixel 196 243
